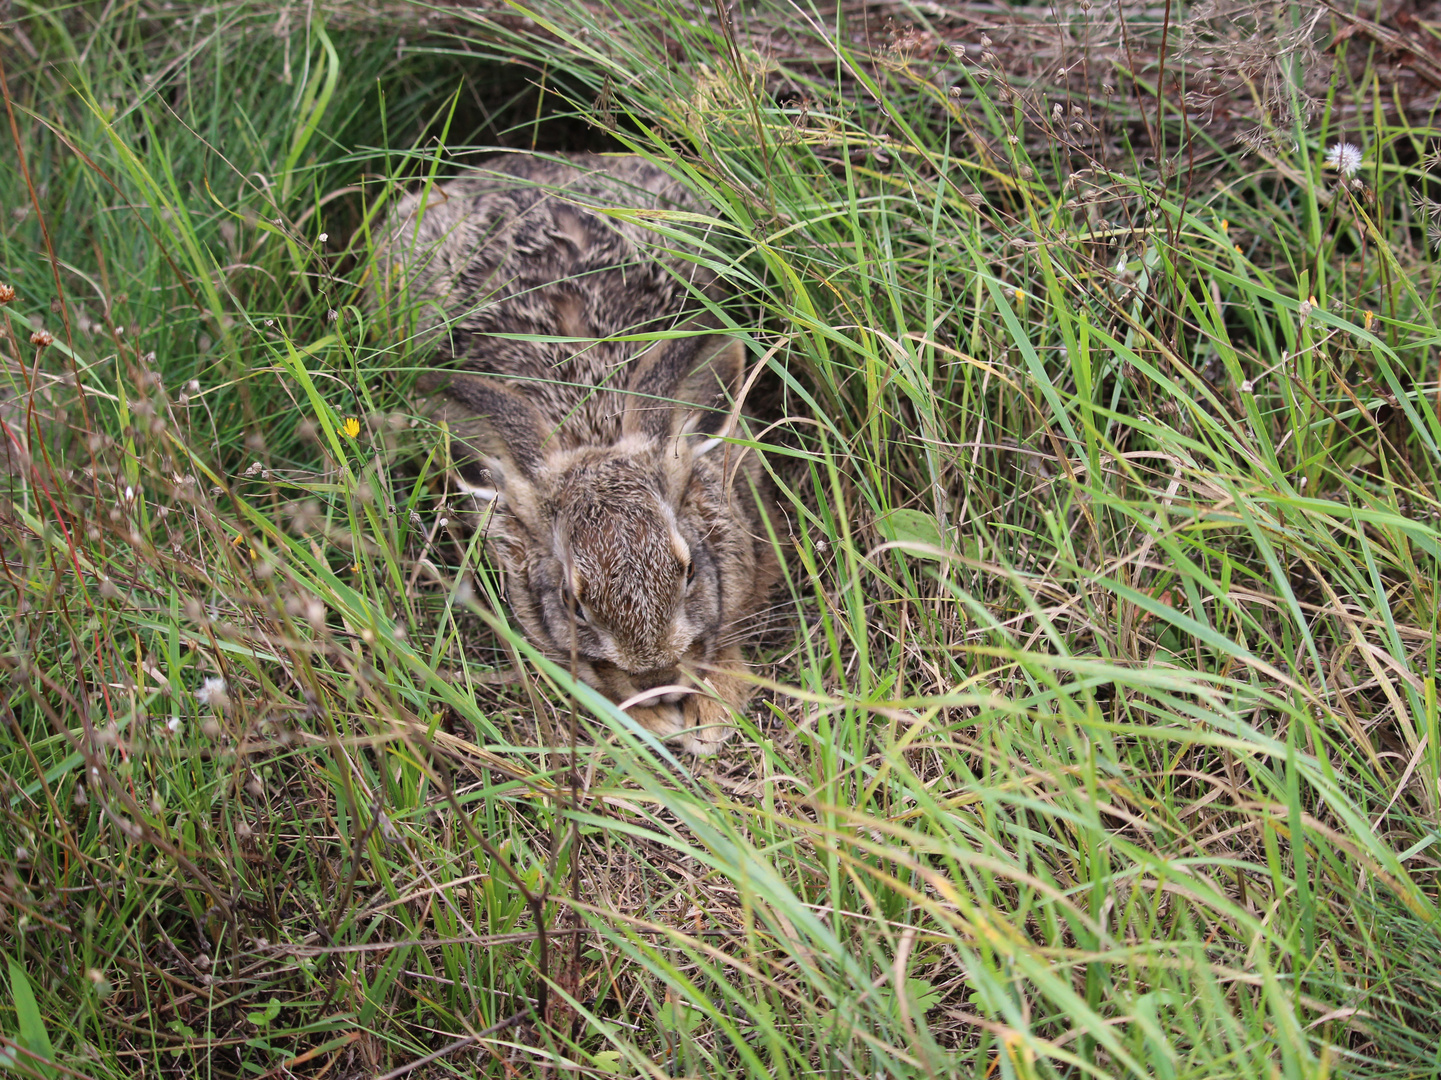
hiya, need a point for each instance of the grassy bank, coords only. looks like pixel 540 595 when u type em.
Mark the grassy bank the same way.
pixel 1098 733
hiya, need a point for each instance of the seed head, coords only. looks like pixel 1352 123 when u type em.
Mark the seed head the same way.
pixel 7 293
pixel 1345 158
pixel 42 338
pixel 213 694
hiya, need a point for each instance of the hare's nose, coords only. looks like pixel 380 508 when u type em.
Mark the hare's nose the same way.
pixel 666 676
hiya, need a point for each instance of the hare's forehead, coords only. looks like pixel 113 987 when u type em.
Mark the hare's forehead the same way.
pixel 614 520
pixel 639 535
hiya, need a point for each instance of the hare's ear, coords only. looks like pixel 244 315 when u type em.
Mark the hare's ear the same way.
pixel 494 429
pixel 685 386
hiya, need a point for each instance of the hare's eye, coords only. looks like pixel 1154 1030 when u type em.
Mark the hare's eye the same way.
pixel 689 573
pixel 567 601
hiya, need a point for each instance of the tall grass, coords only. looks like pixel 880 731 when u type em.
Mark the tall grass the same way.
pixel 1099 728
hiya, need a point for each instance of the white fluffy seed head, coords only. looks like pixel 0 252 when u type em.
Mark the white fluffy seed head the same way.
pixel 1344 158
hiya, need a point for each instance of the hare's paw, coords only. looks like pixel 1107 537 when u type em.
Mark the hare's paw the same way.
pixel 662 721
pixel 707 727
pixel 700 726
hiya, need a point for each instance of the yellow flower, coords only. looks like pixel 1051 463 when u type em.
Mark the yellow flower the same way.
pixel 351 427
pixel 1370 320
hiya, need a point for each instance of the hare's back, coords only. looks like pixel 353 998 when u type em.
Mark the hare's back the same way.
pixel 522 245
pixel 527 276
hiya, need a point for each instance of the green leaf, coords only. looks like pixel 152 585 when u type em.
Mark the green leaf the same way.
pixel 33 1036
pixel 264 1017
pixel 913 527
pixel 922 994
pixel 762 1014
pixel 607 1061
pixel 678 1016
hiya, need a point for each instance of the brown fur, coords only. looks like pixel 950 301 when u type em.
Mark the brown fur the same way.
pixel 624 535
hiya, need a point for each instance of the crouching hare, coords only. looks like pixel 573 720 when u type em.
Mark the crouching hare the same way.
pixel 630 535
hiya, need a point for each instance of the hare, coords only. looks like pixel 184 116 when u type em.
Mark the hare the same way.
pixel 632 538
